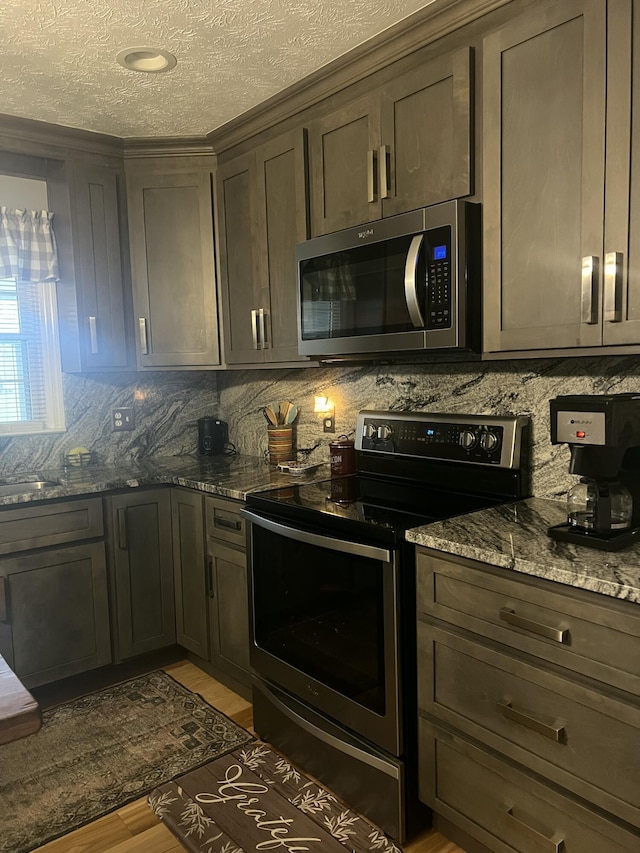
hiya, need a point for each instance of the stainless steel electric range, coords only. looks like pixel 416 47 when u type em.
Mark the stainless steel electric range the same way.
pixel 332 590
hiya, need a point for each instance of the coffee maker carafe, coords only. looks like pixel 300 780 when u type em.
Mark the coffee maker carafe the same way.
pixel 603 433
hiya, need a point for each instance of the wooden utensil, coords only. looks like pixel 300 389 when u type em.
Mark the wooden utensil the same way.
pixel 270 415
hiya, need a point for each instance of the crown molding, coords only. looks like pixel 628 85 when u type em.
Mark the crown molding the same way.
pixel 417 31
pixel 170 146
pixel 29 136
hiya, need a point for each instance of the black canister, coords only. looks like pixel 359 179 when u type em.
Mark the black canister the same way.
pixel 342 456
pixel 213 436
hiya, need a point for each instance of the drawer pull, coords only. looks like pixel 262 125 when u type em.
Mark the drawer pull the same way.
pixel 552 732
pixel 554 844
pixel 560 635
pixel 229 523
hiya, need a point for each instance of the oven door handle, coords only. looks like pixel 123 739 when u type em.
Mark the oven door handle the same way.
pixel 345 546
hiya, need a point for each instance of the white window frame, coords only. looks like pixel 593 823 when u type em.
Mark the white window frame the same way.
pixel 53 391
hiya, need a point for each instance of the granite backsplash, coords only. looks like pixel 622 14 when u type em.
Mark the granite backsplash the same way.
pixel 167 406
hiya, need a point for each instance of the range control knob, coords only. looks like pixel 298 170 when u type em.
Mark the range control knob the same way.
pixel 370 431
pixel 467 439
pixel 384 432
pixel 489 441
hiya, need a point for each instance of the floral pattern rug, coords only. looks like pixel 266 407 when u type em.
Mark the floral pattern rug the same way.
pixel 103 750
pixel 253 800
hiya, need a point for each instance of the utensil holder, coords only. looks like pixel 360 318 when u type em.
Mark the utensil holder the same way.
pixel 280 444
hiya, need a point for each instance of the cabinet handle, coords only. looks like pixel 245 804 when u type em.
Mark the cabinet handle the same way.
pixel 613 287
pixel 210 588
pixel 384 171
pixel 229 523
pixel 4 601
pixel 553 844
pixel 560 635
pixel 142 329
pixel 590 274
pixel 254 328
pixel 93 335
pixel 122 529
pixel 555 733
pixel 371 175
pixel 264 343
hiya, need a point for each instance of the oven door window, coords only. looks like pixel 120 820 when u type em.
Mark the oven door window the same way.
pixel 322 612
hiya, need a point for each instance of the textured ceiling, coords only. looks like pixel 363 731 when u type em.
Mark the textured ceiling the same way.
pixel 58 57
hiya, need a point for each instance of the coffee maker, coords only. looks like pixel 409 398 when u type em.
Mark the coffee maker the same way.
pixel 603 432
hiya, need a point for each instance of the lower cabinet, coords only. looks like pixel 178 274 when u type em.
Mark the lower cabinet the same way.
pixel 187 518
pixel 139 535
pixel 54 612
pixel 210 569
pixel 228 609
pixel 529 718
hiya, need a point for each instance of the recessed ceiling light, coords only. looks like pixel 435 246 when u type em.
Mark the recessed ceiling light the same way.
pixel 147 59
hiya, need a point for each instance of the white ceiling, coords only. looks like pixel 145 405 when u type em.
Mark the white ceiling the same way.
pixel 57 61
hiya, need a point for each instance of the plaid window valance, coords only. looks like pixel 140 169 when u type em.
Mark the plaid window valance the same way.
pixel 27 245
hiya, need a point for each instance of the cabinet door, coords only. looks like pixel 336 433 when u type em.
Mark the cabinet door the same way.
pixel 621 310
pixel 140 539
pixel 237 235
pixel 189 562
pixel 171 235
pixel 543 177
pixel 426 135
pixel 98 262
pixel 229 610
pixel 343 152
pixel 282 202
pixel 55 618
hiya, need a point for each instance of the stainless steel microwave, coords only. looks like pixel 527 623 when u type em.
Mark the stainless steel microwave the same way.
pixel 408 283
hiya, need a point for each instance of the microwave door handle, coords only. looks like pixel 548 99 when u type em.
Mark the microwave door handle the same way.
pixel 411 282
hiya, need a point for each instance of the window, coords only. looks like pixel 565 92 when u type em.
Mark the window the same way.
pixel 31 398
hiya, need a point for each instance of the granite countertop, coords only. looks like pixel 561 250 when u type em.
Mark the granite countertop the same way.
pixel 514 536
pixel 226 476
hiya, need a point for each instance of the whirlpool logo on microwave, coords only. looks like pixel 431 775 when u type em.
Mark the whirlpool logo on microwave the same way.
pixel 364 234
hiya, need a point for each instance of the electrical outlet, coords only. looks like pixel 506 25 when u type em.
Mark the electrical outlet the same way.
pixel 329 423
pixel 122 418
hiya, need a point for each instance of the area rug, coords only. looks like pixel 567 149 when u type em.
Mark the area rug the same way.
pixel 253 800
pixel 103 750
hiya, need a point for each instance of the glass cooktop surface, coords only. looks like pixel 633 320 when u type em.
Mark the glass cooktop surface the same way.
pixel 364 505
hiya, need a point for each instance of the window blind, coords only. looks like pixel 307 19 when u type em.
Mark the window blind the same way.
pixel 24 380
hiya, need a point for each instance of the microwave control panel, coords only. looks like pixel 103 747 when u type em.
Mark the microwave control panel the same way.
pixel 478 439
pixel 439 308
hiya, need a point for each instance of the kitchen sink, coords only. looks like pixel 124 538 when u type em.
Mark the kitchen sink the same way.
pixel 23 485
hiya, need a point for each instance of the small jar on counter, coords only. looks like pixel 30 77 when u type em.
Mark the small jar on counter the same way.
pixel 342 456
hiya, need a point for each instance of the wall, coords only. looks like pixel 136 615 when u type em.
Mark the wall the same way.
pixel 518 387
pixel 166 405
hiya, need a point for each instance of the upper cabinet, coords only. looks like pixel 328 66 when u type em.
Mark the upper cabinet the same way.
pixel 172 262
pixel 560 258
pixel 262 214
pixel 404 146
pixel 95 195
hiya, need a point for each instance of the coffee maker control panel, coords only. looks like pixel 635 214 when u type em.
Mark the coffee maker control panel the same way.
pixel 581 427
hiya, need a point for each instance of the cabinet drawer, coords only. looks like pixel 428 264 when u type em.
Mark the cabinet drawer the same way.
pixel 505 809
pixel 54 523
pixel 224 520
pixel 584 740
pixel 582 631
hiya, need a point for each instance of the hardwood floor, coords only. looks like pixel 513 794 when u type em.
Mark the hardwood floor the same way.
pixel 135 829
